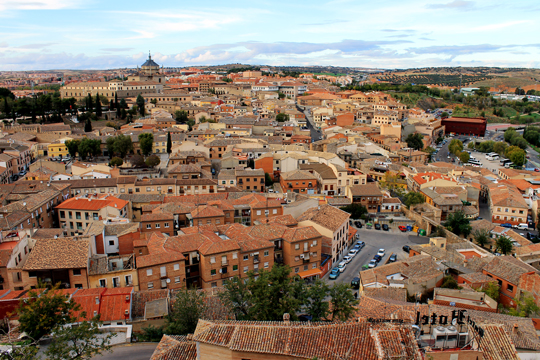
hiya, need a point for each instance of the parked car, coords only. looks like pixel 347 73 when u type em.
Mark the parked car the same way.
pixel 365 267
pixel 372 264
pixel 22 173
pixel 385 227
pixel 353 252
pixel 393 258
pixel 402 228
pixel 355 283
pixel 347 259
pixel 377 258
pixel 369 226
pixel 361 244
pixel 334 274
pixel 406 248
pixel 506 225
pixel 66 158
pixel 381 252
pixel 359 224
pixel 341 266
pixel 377 226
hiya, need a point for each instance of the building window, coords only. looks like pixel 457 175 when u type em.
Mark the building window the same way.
pixel 246 257
pixel 177 280
pixel 266 253
pixel 148 226
pixel 296 270
pixel 111 242
pixel 212 260
pixel 235 267
pixel 296 246
pixel 127 278
pixel 158 226
pixel 176 267
pixel 166 225
pixel 214 284
pixel 235 255
pixel 102 283
pixel 150 285
pixel 213 272
pixel 245 269
pixel 509 287
pixel 314 266
pixel 148 272
pixel 76 272
pixel 266 264
pixel 62 214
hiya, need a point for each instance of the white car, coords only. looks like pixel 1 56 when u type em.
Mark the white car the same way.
pixel 372 264
pixel 347 259
pixel 353 252
pixel 381 252
pixel 341 266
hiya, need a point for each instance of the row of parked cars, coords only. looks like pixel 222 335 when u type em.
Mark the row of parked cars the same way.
pixel 334 274
pixel 63 159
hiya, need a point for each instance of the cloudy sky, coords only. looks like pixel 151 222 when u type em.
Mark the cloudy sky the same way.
pixel 95 34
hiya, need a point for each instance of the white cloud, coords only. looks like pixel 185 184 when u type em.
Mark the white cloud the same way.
pixel 6 5
pixel 499 26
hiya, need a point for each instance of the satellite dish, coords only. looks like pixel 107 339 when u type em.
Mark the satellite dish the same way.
pixel 168 281
pixel 454 321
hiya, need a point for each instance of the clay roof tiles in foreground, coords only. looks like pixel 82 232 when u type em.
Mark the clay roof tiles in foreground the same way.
pixel 61 253
pixel 300 340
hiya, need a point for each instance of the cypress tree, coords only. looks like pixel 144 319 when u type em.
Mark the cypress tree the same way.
pixel 169 143
pixel 98 106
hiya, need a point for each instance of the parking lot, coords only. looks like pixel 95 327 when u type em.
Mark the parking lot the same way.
pixel 392 241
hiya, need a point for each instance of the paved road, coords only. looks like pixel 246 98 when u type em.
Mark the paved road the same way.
pixel 129 352
pixel 314 132
pixel 392 241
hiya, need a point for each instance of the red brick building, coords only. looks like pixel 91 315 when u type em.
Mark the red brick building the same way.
pixel 465 126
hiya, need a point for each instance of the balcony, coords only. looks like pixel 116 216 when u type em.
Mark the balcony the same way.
pixel 256 260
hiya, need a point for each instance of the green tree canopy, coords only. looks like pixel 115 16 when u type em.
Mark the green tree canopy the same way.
pixel 491 289
pixel 169 143
pixel 356 210
pixel 99 111
pixel 140 104
pixel 458 223
pixel 525 306
pixel 499 147
pixel 88 125
pixel 415 141
pixel 153 160
pixel 188 307
pixel 455 147
pixel 137 161
pixel 450 283
pixel 146 141
pixel 481 237
pixel 73 147
pixel 516 155
pixel 342 302
pixel 464 157
pixel 116 161
pixel 413 198
pixel 122 145
pixel 181 116
pixel 504 245
pixel 282 117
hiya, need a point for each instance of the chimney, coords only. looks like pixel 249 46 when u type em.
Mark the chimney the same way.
pixel 515 328
pixel 287 318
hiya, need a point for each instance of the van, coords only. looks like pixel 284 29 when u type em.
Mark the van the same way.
pixel 523 226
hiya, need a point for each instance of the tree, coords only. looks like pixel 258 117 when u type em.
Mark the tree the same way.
pixel 89 103
pixel 491 289
pixel 89 147
pixel 188 307
pixel 450 283
pixel 525 306
pixel 282 117
pixel 415 141
pixel 430 151
pixel 471 145
pixel 98 106
pixel 281 95
pixel 116 161
pixel 88 125
pixel 123 104
pixel 146 141
pixel 122 145
pixel 356 210
pixel 499 147
pixel 516 155
pixel 316 306
pixel 169 143
pixel 181 116
pixel 48 314
pixel 464 157
pixel 137 161
pixel 72 147
pixel 78 342
pixel 504 245
pixel 455 147
pixel 444 115
pixel 481 237
pixel 268 180
pixel 413 198
pixel 343 302
pixel 110 146
pixel 458 223
pixel 140 104
pixel 238 298
pixel 153 160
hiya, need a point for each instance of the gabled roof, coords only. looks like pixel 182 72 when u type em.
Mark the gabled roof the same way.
pixel 61 253
pixel 327 216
